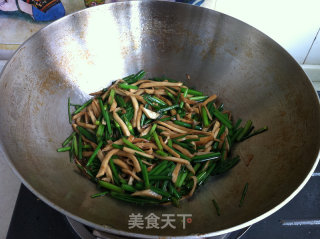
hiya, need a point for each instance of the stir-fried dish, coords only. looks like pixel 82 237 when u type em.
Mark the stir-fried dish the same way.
pixel 152 141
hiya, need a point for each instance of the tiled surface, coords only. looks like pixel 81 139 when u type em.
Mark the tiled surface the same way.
pixel 313 72
pixel 20 27
pixel 292 23
pixel 314 54
pixel 6 51
pixel 2 63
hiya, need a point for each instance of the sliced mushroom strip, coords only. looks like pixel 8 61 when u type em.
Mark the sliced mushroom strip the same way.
pixel 205 140
pixel 186 100
pixel 132 151
pixel 132 174
pixel 150 114
pixel 222 138
pixel 146 163
pixel 146 145
pixel 173 159
pixel 139 115
pixel 211 98
pixel 109 146
pixel 195 181
pixel 145 131
pixel 95 108
pixel 208 113
pixel 92 116
pixel 196 137
pixel 86 117
pixel 87 153
pixel 96 93
pixel 167 148
pixel 158 84
pixel 121 164
pixel 171 91
pixel 141 99
pixel 136 109
pixel 187 121
pixel 149 151
pixel 190 168
pixel 87 126
pixel 172 127
pixel 147 193
pixel 79 115
pixel 123 126
pixel 186 130
pixel 74 127
pixel 113 106
pixel 104 168
pixel 141 81
pixel 140 140
pixel 131 179
pixel 99 154
pixel 87 140
pixel 132 158
pixel 183 150
pixel 175 172
pixel 165 129
pixel 215 129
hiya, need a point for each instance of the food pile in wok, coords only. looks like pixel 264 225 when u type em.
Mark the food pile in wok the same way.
pixel 152 141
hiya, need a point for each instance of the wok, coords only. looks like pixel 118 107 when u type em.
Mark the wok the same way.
pixel 83 52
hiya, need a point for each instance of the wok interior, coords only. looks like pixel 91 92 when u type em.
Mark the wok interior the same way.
pixel 84 52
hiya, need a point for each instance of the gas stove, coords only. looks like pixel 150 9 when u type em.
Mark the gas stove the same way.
pixel 300 218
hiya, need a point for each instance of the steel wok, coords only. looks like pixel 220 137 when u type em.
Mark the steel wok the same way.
pixel 83 52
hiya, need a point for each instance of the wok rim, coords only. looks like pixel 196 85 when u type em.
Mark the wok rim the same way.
pixel 108 229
